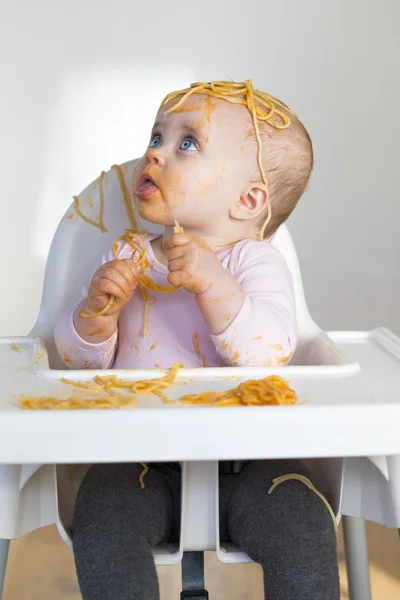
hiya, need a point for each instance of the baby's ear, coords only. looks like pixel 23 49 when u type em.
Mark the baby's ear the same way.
pixel 251 203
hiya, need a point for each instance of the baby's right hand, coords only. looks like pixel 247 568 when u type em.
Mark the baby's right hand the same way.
pixel 118 278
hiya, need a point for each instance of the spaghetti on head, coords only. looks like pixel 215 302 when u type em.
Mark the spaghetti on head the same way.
pixel 289 183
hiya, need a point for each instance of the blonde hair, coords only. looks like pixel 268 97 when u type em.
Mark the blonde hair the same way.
pixel 288 160
pixel 264 110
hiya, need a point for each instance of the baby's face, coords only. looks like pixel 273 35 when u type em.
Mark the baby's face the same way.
pixel 198 163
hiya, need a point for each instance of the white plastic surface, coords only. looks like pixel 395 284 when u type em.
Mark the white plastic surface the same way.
pixel 344 411
pixel 347 406
pixel 27 498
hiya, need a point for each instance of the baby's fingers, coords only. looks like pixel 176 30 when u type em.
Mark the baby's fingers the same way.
pixel 176 278
pixel 178 239
pixel 176 265
pixel 128 269
pixel 115 275
pixel 102 286
pixel 176 252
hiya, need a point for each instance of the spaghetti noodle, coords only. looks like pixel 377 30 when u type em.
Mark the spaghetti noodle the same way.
pixel 106 385
pixel 271 391
pixel 126 197
pixel 100 222
pixel 178 228
pixel 143 475
pixel 101 312
pixel 295 476
pixel 262 107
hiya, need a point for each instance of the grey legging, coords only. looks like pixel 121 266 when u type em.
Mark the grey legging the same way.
pixel 116 525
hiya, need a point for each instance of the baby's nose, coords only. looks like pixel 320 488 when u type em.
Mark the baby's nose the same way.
pixel 155 156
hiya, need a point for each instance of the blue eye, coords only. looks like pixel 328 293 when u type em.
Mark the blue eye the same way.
pixel 155 141
pixel 188 144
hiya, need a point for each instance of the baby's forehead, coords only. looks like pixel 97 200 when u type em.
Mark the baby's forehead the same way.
pixel 210 112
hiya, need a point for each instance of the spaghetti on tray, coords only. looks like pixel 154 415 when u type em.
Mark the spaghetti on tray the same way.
pixel 113 393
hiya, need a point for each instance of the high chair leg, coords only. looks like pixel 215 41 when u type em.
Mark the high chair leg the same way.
pixel 4 545
pixel 193 576
pixel 357 565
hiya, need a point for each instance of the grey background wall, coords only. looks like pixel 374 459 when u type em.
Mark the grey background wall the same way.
pixel 80 82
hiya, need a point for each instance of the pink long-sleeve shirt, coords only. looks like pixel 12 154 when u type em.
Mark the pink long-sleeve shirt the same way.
pixel 263 332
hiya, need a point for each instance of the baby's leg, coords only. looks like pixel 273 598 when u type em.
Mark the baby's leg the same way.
pixel 116 525
pixel 290 532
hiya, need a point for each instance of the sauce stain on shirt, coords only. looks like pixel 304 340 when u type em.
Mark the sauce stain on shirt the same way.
pixel 197 349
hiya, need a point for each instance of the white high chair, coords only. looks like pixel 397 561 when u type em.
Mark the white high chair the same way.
pixel 341 376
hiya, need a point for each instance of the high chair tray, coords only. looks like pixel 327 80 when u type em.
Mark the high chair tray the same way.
pixel 349 406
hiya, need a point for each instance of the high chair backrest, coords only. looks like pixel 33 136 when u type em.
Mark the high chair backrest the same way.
pixel 78 245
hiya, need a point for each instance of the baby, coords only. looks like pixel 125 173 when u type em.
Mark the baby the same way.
pixel 229 164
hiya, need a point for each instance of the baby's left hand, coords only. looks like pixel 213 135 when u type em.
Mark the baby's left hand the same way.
pixel 192 264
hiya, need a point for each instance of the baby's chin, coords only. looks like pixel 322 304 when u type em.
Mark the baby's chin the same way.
pixel 152 212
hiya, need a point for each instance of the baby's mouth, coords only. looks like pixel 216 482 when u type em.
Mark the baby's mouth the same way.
pixel 146 188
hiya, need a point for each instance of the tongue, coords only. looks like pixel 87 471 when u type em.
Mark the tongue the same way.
pixel 147 183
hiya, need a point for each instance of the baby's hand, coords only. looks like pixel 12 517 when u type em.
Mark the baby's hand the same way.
pixel 192 264
pixel 118 278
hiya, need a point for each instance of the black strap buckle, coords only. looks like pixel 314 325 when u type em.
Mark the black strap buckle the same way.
pixel 194 595
pixel 193 576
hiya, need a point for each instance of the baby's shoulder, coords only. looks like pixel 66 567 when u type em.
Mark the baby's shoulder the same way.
pixel 251 254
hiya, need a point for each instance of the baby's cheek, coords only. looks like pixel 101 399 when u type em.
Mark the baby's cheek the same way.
pixel 175 187
pixel 203 188
pixel 209 184
pixel 173 178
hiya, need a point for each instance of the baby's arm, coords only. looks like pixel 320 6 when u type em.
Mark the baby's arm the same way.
pixel 251 316
pixel 263 333
pixel 91 342
pixel 195 267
